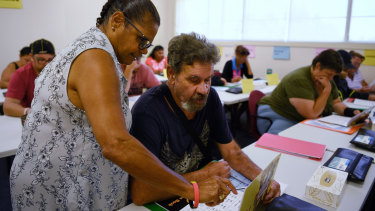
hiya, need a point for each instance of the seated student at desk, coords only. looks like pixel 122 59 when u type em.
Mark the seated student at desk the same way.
pixel 239 66
pixel 142 77
pixel 21 86
pixel 156 60
pixel 7 73
pixel 306 93
pixel 342 84
pixel 355 79
pixel 158 124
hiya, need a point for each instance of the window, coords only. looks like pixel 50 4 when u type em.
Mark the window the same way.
pixel 278 20
pixel 362 21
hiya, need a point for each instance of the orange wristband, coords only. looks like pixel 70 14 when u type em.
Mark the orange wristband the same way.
pixel 196 196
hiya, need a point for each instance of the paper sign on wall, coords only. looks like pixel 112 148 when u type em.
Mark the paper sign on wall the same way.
pixel 272 79
pixel 247 85
pixel 369 57
pixel 319 50
pixel 281 52
pixel 251 49
pixel 11 4
pixel 220 50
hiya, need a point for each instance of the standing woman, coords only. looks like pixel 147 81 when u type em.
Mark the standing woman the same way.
pixel 76 151
pixel 235 69
pixel 156 60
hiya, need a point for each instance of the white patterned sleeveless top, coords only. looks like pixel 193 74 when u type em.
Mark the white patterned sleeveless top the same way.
pixel 59 164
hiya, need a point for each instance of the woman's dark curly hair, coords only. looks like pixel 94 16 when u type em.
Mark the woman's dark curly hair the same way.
pixel 135 10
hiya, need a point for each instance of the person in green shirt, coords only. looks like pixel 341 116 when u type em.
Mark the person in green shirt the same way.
pixel 305 93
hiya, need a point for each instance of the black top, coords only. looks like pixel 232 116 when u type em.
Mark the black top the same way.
pixel 228 71
pixel 345 91
pixel 157 127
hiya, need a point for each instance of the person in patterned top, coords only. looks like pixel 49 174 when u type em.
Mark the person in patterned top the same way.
pixel 76 151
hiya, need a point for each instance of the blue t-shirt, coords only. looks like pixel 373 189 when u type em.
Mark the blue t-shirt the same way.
pixel 160 130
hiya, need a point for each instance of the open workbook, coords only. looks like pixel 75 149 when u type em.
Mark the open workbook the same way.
pixel 346 121
pixel 249 197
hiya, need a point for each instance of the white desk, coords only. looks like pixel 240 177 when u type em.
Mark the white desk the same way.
pixel 230 98
pixel 332 139
pixel 295 172
pixel 2 98
pixel 10 135
pixel 160 78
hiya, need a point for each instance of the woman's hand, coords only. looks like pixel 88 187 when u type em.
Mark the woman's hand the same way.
pixel 223 80
pixel 214 190
pixel 236 79
pixel 323 84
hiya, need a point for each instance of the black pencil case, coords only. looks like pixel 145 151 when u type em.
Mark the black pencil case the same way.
pixel 365 139
pixel 234 90
pixel 356 164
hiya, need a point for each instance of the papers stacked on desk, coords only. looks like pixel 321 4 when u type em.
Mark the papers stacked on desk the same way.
pixel 359 103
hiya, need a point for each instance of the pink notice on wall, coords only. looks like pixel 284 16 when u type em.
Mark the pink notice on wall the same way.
pixel 251 49
pixel 319 50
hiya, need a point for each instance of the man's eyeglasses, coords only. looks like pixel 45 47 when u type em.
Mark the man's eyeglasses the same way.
pixel 145 42
pixel 43 60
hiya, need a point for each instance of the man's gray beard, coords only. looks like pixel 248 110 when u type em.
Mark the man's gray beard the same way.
pixel 190 107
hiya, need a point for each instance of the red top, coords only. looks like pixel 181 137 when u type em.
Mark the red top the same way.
pixel 21 85
pixel 144 78
pixel 157 65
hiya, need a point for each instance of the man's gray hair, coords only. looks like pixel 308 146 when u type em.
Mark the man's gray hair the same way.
pixel 185 49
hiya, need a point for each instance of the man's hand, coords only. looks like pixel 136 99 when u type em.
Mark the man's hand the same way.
pixel 217 168
pixel 273 193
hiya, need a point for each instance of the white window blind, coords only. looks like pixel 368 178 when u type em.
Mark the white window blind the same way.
pixel 278 20
pixel 362 23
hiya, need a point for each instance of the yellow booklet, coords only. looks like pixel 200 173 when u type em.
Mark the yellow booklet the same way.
pixel 256 191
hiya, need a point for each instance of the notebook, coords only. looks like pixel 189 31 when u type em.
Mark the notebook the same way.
pixel 291 146
pixel 332 127
pixel 346 121
pixel 250 199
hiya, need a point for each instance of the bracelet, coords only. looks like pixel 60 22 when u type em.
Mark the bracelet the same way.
pixel 196 196
pixel 349 112
pixel 25 111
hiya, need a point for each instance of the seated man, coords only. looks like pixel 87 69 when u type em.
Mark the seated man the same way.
pixel 355 79
pixel 142 77
pixel 160 113
pixel 306 93
pixel 341 83
pixel 21 86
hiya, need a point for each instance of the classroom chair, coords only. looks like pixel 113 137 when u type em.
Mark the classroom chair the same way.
pixel 254 97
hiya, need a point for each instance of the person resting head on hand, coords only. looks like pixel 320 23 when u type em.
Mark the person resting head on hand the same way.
pixel 306 93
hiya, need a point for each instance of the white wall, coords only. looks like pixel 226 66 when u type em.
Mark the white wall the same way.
pixel 299 56
pixel 55 20
pixel 62 21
